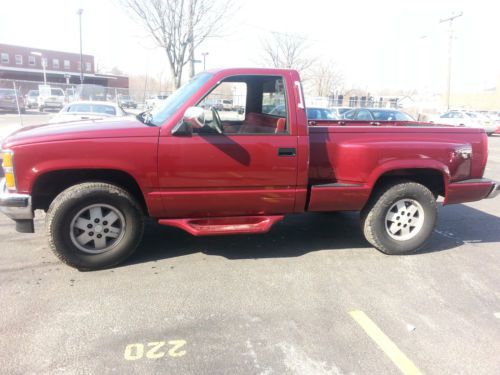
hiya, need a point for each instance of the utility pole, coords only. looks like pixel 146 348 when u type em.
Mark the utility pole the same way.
pixel 79 12
pixel 191 39
pixel 450 54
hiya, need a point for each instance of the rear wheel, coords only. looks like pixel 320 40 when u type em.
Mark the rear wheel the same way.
pixel 400 218
pixel 94 225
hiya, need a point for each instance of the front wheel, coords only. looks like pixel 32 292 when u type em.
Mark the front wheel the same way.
pixel 94 225
pixel 400 218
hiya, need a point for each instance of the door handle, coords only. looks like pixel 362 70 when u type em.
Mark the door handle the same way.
pixel 287 152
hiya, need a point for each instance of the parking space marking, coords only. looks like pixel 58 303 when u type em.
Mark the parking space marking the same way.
pixel 134 352
pixel 406 366
pixel 497 315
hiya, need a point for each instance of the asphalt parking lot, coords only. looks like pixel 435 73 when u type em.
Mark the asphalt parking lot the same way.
pixel 309 297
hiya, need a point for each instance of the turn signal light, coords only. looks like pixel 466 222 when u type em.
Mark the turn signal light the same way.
pixel 8 167
pixel 7 159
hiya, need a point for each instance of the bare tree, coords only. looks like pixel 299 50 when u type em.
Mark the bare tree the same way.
pixel 325 79
pixel 288 51
pixel 179 26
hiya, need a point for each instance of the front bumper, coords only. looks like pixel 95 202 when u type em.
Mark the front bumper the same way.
pixel 13 205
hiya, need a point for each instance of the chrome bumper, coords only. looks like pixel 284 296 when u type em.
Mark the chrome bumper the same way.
pixel 495 190
pixel 13 205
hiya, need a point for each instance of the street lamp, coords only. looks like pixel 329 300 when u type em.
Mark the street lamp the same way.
pixel 44 65
pixel 80 12
pixel 204 54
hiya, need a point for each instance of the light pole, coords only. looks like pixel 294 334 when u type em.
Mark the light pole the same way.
pixel 80 12
pixel 204 54
pixel 44 65
pixel 450 50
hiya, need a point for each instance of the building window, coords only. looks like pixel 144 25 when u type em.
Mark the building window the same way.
pixel 88 66
pixel 19 59
pixel 55 63
pixel 66 64
pixel 44 62
pixel 31 60
pixel 5 58
pixel 79 66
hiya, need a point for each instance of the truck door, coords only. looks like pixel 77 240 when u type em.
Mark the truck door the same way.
pixel 249 169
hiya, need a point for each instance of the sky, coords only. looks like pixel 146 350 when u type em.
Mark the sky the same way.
pixel 376 45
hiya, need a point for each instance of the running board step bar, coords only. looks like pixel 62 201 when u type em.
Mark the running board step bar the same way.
pixel 224 225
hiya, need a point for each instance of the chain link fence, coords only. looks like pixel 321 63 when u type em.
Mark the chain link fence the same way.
pixel 28 92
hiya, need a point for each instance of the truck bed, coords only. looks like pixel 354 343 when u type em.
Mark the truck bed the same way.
pixel 346 161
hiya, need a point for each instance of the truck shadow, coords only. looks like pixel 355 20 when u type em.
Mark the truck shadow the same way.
pixel 298 235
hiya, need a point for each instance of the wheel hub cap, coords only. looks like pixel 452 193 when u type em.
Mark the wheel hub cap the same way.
pixel 97 228
pixel 404 219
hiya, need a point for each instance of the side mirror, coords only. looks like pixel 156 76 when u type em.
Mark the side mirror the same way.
pixel 194 118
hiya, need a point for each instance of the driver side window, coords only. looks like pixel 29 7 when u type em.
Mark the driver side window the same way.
pixel 246 105
pixel 228 101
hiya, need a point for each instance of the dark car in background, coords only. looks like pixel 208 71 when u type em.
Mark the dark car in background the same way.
pixel 125 101
pixel 376 114
pixel 319 113
pixel 8 101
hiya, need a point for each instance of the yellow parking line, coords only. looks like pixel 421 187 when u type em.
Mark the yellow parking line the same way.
pixel 497 315
pixel 406 366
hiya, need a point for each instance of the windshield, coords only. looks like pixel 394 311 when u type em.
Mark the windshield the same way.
pixel 172 104
pixel 56 92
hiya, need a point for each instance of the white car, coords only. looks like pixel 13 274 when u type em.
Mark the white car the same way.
pixel 465 118
pixel 86 110
pixel 53 98
pixel 155 100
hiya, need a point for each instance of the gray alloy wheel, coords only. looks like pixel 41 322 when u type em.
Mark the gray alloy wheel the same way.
pixel 404 219
pixel 97 228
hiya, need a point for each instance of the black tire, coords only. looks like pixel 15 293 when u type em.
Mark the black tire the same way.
pixel 374 222
pixel 68 204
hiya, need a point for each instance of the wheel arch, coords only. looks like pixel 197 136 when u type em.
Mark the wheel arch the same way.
pixel 50 184
pixel 435 179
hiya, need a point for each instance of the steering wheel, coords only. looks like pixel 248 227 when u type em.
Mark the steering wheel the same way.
pixel 217 121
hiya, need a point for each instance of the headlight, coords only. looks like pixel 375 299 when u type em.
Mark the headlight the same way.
pixel 8 168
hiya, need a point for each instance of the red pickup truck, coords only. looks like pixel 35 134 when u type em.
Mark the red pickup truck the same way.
pixel 188 165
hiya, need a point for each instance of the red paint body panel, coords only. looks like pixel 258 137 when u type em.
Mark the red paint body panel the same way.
pixel 467 192
pixel 237 183
pixel 351 198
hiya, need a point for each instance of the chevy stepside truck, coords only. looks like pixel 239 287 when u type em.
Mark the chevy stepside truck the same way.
pixel 190 166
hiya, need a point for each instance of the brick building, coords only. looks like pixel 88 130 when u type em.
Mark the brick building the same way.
pixel 25 64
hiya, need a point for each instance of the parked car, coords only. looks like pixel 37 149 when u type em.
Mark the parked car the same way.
pixel 32 99
pixel 180 167
pixel 8 100
pixel 86 110
pixel 339 111
pixel 318 113
pixel 53 99
pixel 125 101
pixel 155 101
pixel 466 118
pixel 376 115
